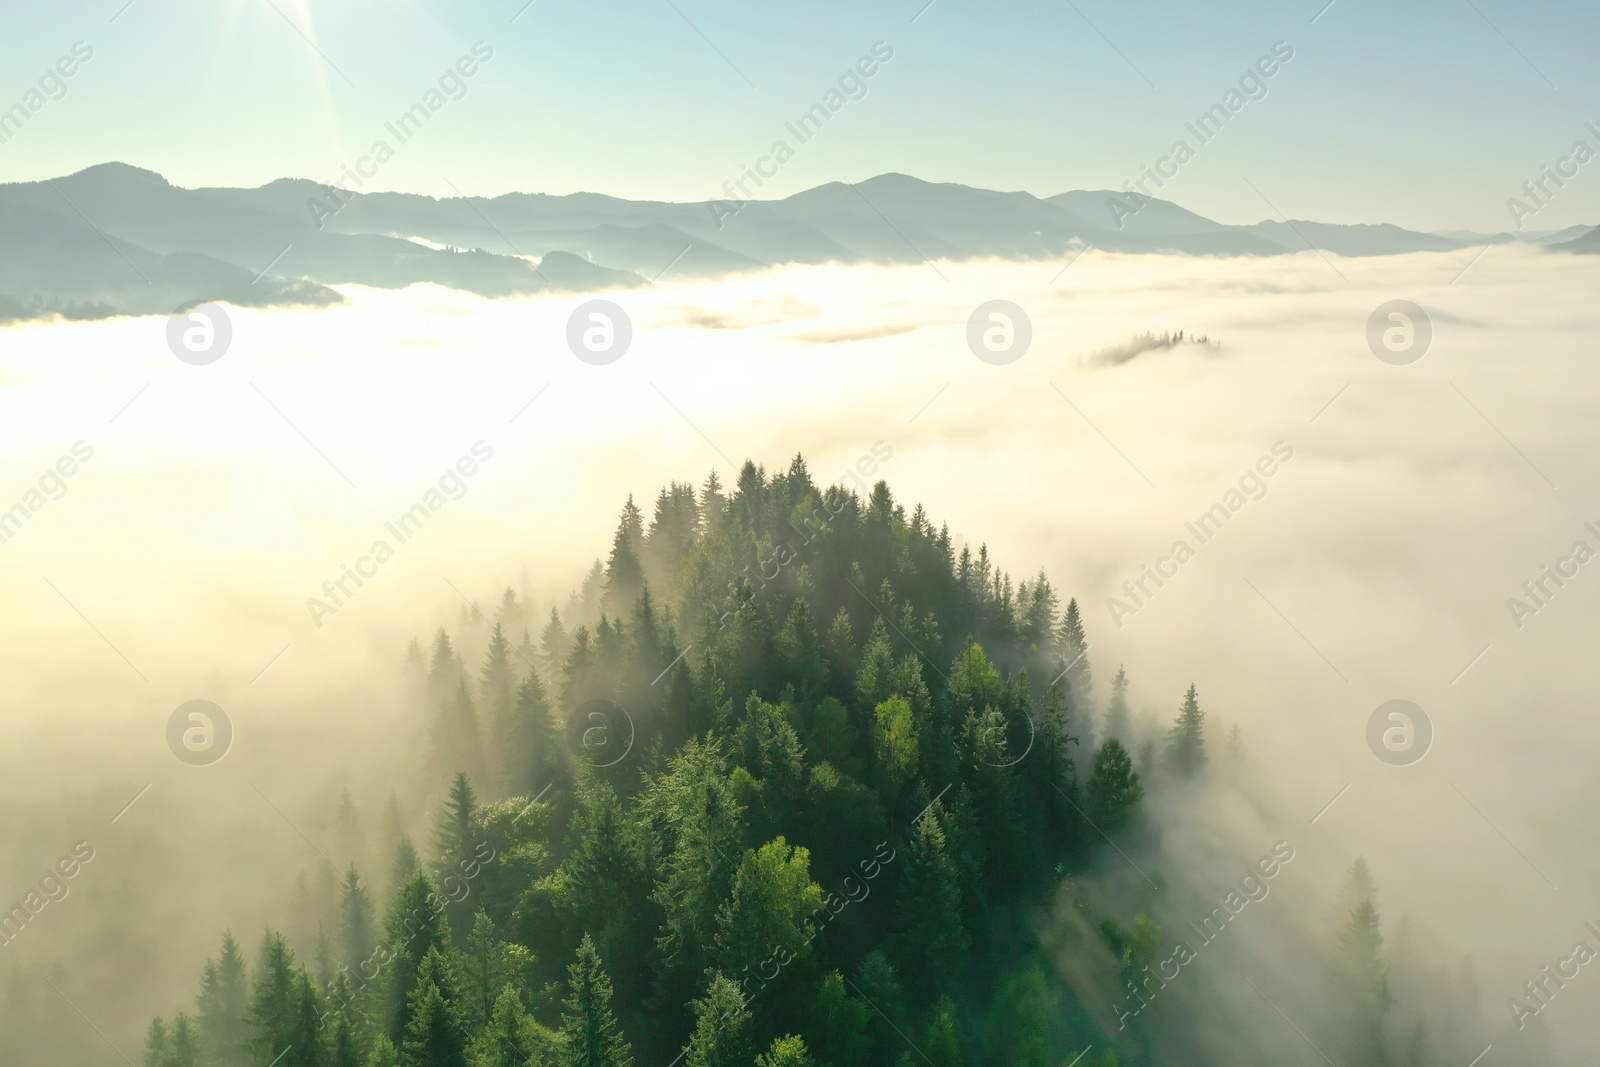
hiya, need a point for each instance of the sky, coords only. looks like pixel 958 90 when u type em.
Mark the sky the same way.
pixel 1429 116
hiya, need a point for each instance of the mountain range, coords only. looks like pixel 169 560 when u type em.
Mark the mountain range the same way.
pixel 115 239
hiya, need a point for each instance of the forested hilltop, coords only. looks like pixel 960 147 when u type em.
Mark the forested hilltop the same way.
pixel 791 779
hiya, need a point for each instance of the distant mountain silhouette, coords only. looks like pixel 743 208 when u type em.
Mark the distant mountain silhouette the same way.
pixel 116 239
pixel 1589 243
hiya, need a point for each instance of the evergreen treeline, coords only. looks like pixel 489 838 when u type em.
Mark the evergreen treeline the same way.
pixel 783 784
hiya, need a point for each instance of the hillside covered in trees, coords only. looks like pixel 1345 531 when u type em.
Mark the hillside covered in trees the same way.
pixel 791 779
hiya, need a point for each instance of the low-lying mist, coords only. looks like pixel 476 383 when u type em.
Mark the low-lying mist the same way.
pixel 186 555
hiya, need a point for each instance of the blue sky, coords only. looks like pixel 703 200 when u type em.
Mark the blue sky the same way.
pixel 1429 115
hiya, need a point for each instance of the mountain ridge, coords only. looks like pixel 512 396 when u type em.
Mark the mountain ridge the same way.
pixel 295 238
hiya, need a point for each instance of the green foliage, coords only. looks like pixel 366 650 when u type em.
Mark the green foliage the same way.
pixel 786 1051
pixel 222 1005
pixel 943 1046
pixel 1186 743
pixel 894 741
pixel 855 770
pixel 721 1027
pixel 1114 791
pixel 590 1036
pixel 930 935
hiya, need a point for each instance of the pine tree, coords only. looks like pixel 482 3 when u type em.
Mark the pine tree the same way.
pixel 839 1023
pixel 1118 723
pixel 343 1051
pixel 414 926
pixel 786 1051
pixel 624 571
pixel 511 1038
pixel 533 756
pixel 944 1036
pixel 1361 984
pixel 931 936
pixel 349 821
pixel 434 1037
pixel 445 670
pixel 155 1043
pixel 490 966
pixel 183 1043
pixel 1075 650
pixel 406 863
pixel 590 1034
pixel 222 1003
pixel 358 934
pixel 496 689
pixel 1114 791
pixel 713 504
pixel 770 907
pixel 455 837
pixel 553 643
pixel 721 1035
pixel 1186 743
pixel 272 1003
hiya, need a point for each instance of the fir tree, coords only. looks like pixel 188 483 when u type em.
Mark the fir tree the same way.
pixel 358 934
pixel 434 1037
pixel 589 1031
pixel 931 937
pixel 721 1035
pixel 786 1051
pixel 222 1004
pixel 624 571
pixel 1114 791
pixel 1118 723
pixel 944 1036
pixel 1186 743
pixel 455 837
pixel 553 643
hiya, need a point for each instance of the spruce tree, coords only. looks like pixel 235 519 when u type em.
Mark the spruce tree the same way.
pixel 944 1036
pixel 589 1031
pixel 624 570
pixel 930 935
pixel 721 1035
pixel 358 934
pixel 786 1051
pixel 456 835
pixel 1075 651
pixel 434 1037
pixel 272 1003
pixel 222 1003
pixel 155 1043
pixel 1186 743
pixel 1114 791
pixel 553 643
pixel 497 681
pixel 445 670
pixel 1118 722
pixel 183 1043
